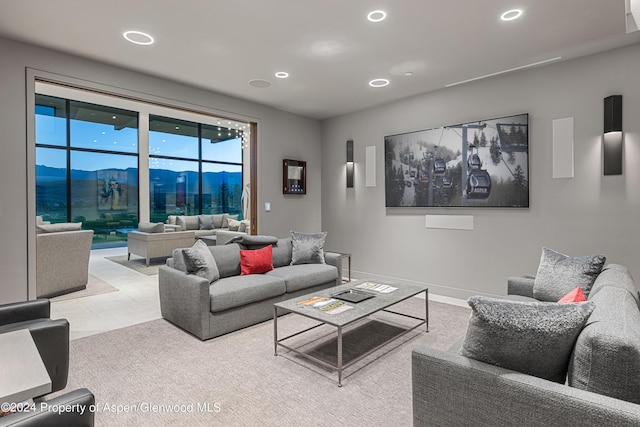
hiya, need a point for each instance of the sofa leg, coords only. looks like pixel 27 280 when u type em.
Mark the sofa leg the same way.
pixel 148 261
pixel 128 256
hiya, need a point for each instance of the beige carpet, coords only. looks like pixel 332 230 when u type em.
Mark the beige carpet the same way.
pixel 95 286
pixel 139 264
pixel 235 380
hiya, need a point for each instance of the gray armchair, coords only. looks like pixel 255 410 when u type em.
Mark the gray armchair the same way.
pixel 51 337
pixel 62 262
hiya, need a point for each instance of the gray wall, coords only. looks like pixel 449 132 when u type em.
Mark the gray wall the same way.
pixel 280 135
pixel 587 214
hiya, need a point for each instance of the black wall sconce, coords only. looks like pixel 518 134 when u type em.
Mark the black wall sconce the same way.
pixel 350 164
pixel 612 138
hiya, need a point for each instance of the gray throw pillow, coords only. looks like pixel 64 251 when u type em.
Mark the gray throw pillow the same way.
pixel 199 261
pixel 151 227
pixel 178 260
pixel 182 222
pixel 218 220
pixel 206 222
pixel 308 248
pixel 535 338
pixel 559 274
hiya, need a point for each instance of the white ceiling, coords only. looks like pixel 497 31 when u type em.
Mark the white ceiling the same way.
pixel 328 47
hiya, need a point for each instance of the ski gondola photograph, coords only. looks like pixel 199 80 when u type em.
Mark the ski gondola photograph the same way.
pixel 474 164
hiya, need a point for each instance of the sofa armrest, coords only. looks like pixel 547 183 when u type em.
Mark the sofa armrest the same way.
pixel 25 310
pixel 335 259
pixel 520 285
pixel 78 404
pixel 184 300
pixel 224 235
pixel 449 389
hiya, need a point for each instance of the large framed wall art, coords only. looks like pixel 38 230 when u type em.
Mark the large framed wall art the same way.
pixel 476 164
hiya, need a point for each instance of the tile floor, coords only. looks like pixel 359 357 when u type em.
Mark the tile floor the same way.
pixel 136 301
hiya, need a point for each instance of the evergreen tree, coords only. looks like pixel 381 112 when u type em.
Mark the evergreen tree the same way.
pixel 518 177
pixel 483 139
pixel 494 150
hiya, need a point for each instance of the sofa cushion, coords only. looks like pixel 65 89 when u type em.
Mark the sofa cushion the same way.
pixel 225 219
pixel 188 222
pixel 205 222
pixel 304 276
pixel 606 358
pixel 237 291
pixel 227 259
pixel 255 261
pixel 199 261
pixel 559 273
pixel 535 338
pixel 200 233
pixel 282 251
pixel 217 220
pixel 151 227
pixel 247 241
pixel 58 227
pixel 616 276
pixel 245 225
pixel 307 248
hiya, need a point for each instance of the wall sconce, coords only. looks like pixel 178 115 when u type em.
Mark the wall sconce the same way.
pixel 612 138
pixel 350 164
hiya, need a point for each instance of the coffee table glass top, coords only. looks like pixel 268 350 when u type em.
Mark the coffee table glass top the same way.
pixel 359 310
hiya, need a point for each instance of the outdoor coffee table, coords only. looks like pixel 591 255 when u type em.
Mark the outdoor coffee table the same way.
pixel 361 310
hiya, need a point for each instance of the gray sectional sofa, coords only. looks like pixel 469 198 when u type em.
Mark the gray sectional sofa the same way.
pixel 209 225
pixel 155 240
pixel 235 301
pixel 603 380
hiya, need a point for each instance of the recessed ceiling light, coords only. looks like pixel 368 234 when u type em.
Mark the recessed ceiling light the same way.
pixel 259 83
pixel 377 15
pixel 282 74
pixel 510 15
pixel 378 82
pixel 138 37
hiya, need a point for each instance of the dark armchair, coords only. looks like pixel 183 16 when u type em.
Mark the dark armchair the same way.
pixel 81 413
pixel 50 336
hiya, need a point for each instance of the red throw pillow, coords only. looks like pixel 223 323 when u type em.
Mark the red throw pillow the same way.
pixel 255 261
pixel 575 295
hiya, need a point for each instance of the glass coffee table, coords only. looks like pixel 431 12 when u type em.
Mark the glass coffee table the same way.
pixel 380 301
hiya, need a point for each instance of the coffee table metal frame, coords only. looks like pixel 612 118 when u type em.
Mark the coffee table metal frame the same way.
pixel 342 320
